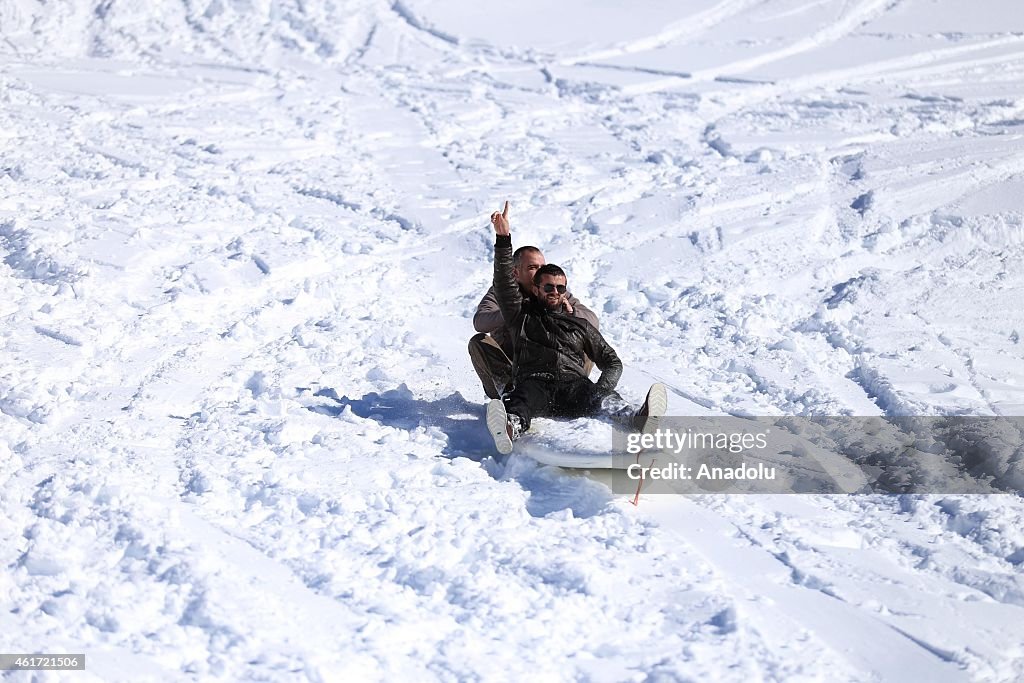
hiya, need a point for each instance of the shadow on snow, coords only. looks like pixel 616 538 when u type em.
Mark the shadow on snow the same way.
pixel 552 490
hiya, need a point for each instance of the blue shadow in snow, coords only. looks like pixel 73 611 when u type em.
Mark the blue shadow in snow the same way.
pixel 551 490
pixel 461 420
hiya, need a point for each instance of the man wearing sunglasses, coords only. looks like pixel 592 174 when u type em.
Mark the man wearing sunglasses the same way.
pixel 551 345
pixel 491 349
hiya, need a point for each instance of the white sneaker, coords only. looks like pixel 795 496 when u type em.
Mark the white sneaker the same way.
pixel 499 427
pixel 648 417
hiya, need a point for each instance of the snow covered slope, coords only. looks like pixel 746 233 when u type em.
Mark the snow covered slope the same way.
pixel 240 246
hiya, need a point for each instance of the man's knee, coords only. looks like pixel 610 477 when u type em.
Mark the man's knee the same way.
pixel 490 363
pixel 485 344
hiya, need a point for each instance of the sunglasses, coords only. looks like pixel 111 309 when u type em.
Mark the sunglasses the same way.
pixel 548 288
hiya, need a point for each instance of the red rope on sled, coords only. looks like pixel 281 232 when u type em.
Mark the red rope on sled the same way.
pixel 640 485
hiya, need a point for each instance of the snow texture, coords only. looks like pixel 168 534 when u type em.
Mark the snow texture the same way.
pixel 240 246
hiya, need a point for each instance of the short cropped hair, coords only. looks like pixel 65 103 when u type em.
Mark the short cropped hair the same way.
pixel 517 255
pixel 548 269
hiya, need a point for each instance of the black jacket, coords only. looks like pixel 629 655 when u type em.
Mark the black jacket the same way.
pixel 548 344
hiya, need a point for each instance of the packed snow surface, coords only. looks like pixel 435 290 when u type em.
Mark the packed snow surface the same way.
pixel 240 246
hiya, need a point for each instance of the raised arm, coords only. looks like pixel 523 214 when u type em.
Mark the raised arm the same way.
pixel 506 289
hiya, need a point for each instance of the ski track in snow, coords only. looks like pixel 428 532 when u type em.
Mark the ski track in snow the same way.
pixel 240 247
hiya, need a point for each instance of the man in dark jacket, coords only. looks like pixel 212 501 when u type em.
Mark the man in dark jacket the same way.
pixel 551 347
pixel 491 349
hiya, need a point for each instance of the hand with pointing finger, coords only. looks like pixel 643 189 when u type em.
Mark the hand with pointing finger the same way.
pixel 500 221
